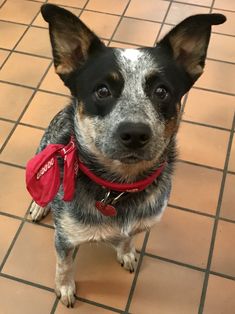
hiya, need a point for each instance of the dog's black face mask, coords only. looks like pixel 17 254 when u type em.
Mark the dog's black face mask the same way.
pixel 128 100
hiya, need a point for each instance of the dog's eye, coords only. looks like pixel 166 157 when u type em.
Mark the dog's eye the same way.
pixel 161 93
pixel 102 92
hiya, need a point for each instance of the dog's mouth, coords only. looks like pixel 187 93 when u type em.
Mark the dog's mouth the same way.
pixel 130 159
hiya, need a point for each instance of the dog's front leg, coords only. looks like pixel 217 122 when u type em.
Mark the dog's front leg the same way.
pixel 64 282
pixel 126 254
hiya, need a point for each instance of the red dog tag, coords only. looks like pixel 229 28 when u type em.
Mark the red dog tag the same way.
pixel 105 209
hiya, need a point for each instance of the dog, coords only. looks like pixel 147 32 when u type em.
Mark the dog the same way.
pixel 104 164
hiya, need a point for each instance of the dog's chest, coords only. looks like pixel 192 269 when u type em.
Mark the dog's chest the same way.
pixel 77 232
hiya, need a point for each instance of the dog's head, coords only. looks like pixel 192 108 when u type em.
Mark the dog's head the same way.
pixel 128 100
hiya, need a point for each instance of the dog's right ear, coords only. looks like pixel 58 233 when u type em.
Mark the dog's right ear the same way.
pixel 71 39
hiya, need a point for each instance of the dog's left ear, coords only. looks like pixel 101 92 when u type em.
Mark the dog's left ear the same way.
pixel 188 42
pixel 71 40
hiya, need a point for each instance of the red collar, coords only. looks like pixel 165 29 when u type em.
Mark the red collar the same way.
pixel 43 176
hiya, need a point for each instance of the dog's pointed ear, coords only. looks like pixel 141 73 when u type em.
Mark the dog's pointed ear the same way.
pixel 72 41
pixel 188 41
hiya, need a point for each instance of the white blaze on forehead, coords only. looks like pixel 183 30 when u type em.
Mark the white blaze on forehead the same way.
pixel 131 54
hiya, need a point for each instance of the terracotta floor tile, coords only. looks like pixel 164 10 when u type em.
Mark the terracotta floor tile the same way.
pixel 102 24
pixel 5 129
pixel 8 228
pixel 14 198
pixel 209 108
pixel 165 29
pixel 33 260
pixel 222 47
pixel 121 45
pixel 166 287
pixel 227 207
pixel 203 145
pixel 19 11
pixel 111 6
pixel 231 165
pixel 180 11
pixel 53 83
pixel 15 298
pixel 229 26
pixel 10 33
pixel 3 56
pixel 104 281
pixel 13 99
pixel 190 188
pixel 213 77
pixel 223 260
pixel 154 10
pixel 39 21
pixel 220 296
pixel 137 32
pixel 199 2
pixel 83 308
pixel 43 108
pixel 72 3
pixel 24 141
pixel 41 40
pixel 25 74
pixel 224 4
pixel 173 237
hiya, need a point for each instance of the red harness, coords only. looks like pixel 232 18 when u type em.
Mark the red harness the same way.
pixel 43 177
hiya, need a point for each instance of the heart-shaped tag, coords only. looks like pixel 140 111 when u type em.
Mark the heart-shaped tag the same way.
pixel 106 209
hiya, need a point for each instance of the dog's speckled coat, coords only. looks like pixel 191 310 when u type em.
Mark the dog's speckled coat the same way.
pixel 113 89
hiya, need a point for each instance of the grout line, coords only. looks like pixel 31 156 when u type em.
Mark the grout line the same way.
pixel 207 125
pixel 100 305
pixel 26 220
pixel 33 88
pixel 54 307
pixel 199 165
pixel 32 126
pixel 227 220
pixel 29 283
pixel 134 282
pixel 224 34
pixel 214 91
pixel 119 22
pixel 193 211
pixel 171 261
pixel 3 3
pixel 220 60
pixel 162 23
pixel 12 165
pixel 222 275
pixel 213 238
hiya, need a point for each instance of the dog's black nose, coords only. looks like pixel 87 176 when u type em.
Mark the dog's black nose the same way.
pixel 134 135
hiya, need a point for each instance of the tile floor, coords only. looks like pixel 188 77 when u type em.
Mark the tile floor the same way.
pixel 187 262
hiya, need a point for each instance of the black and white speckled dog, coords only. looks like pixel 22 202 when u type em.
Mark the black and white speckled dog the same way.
pixel 124 116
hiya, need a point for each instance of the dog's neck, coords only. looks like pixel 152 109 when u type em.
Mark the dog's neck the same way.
pixel 115 171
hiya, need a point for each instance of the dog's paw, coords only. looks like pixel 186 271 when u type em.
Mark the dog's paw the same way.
pixel 37 212
pixel 66 293
pixel 128 260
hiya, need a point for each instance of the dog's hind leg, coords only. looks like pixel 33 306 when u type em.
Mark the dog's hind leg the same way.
pixel 126 254
pixel 65 287
pixel 37 212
